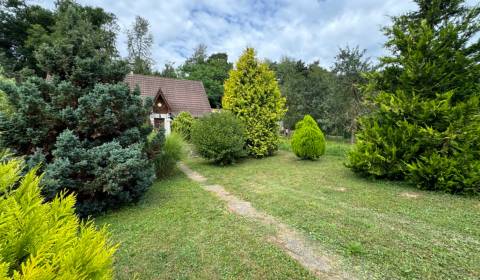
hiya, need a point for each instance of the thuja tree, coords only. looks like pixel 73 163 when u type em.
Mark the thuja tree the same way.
pixel 253 95
pixel 85 125
pixel 41 240
pixel 425 121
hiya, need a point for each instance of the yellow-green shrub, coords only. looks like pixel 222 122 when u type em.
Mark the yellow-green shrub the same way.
pixel 46 240
pixel 182 124
pixel 308 141
pixel 252 94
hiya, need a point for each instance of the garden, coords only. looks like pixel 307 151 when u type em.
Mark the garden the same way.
pixel 359 172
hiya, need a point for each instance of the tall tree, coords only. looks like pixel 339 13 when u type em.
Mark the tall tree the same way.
pixel 168 71
pixel 139 44
pixel 85 124
pixel 22 28
pixel 308 89
pixel 424 125
pixel 253 95
pixel 211 70
pixel 350 67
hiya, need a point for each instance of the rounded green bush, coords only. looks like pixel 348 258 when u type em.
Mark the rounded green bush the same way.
pixel 308 141
pixel 182 124
pixel 219 137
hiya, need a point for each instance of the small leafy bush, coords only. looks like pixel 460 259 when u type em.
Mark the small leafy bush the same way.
pixel 46 240
pixel 308 141
pixel 102 177
pixel 219 137
pixel 165 159
pixel 182 124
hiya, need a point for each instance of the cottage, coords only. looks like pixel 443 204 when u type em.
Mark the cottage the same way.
pixel 170 97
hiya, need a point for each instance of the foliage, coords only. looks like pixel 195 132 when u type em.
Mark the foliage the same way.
pixel 5 106
pixel 212 71
pixel 172 150
pixel 219 137
pixel 252 94
pixel 168 71
pixel 46 240
pixel 22 27
pixel 424 126
pixel 308 141
pixel 182 124
pixel 139 44
pixel 102 177
pixel 85 104
pixel 308 90
pixel 350 68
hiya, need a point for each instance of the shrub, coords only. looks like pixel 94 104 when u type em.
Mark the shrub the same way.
pixel 46 240
pixel 219 137
pixel 182 124
pixel 106 176
pixel 167 157
pixel 308 141
pixel 422 126
pixel 252 94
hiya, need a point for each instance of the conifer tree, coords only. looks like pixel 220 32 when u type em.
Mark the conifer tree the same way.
pixel 253 95
pixel 41 240
pixel 85 124
pixel 425 120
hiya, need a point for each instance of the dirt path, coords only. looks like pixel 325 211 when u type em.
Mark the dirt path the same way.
pixel 287 238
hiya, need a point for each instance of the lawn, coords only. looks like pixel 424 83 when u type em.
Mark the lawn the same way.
pixel 380 229
pixel 180 231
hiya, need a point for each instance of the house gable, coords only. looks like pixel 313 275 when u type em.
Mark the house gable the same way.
pixel 180 95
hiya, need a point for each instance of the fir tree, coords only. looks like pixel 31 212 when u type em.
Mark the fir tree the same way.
pixel 424 125
pixel 85 123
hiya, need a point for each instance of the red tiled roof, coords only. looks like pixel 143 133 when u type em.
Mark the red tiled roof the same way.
pixel 180 95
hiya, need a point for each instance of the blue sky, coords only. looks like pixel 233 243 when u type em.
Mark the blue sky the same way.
pixel 303 29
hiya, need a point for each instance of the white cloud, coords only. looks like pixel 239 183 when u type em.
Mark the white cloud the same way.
pixel 302 29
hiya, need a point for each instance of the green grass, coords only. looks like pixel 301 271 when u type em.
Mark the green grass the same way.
pixel 378 231
pixel 180 231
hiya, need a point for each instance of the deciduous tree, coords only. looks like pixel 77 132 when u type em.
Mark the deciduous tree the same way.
pixel 139 44
pixel 211 70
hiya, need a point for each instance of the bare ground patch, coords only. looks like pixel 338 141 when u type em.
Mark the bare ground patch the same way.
pixel 410 195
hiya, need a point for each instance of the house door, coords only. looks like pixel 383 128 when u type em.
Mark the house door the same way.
pixel 158 123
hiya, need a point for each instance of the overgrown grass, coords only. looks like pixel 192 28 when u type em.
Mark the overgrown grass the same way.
pixel 382 229
pixel 181 231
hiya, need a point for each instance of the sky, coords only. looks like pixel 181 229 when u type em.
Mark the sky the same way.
pixel 302 29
